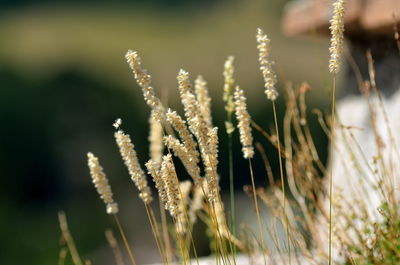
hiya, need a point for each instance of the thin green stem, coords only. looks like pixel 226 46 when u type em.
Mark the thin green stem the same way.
pixel 331 167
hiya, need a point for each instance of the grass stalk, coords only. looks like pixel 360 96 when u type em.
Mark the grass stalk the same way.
pixel 331 168
pixel 69 239
pixel 231 184
pixel 62 256
pixel 282 182
pixel 257 211
pixel 124 239
pixel 166 238
pixel 156 234
pixel 187 222
pixel 180 241
pixel 114 246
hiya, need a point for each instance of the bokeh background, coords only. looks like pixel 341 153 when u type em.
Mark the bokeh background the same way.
pixel 64 80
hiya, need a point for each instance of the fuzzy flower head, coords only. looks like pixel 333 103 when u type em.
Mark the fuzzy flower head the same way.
pixel 202 96
pixel 337 30
pixel 156 147
pixel 153 168
pixel 228 84
pixel 181 151
pixel 168 175
pixel 184 81
pixel 128 154
pixel 264 50
pixel 242 115
pixel 100 182
pixel 144 81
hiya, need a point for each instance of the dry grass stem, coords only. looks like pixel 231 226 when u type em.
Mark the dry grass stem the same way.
pixel 62 219
pixel 115 248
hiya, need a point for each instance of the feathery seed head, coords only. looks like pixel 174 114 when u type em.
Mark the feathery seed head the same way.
pixel 244 119
pixel 181 151
pixel 271 94
pixel 170 179
pixel 128 154
pixel 155 138
pixel 228 85
pixel 100 182
pixel 202 96
pixel 117 123
pixel 184 81
pixel 187 138
pixel 213 146
pixel 264 50
pixel 195 120
pixel 337 38
pixel 154 170
pixel 206 137
pixel 144 81
pixel 211 163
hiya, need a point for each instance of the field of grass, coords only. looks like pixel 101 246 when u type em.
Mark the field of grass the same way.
pixel 64 81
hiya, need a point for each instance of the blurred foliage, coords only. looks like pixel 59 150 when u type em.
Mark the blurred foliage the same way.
pixel 64 81
pixel 148 3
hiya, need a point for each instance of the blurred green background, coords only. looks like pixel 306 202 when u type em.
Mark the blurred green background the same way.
pixel 64 81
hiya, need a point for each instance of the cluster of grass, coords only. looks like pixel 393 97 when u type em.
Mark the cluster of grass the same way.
pixel 322 224
pixel 380 240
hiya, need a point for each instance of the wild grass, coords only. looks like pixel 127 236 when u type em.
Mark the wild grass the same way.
pixel 322 225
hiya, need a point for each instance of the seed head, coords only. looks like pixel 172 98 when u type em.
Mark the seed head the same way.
pixel 128 154
pixel 211 163
pixel 144 81
pixel 193 115
pixel 100 182
pixel 154 170
pixel 202 96
pixel 155 138
pixel 337 30
pixel 181 151
pixel 187 138
pixel 242 115
pixel 228 85
pixel 264 50
pixel 170 179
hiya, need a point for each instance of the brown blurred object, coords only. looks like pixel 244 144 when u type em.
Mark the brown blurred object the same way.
pixel 370 17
